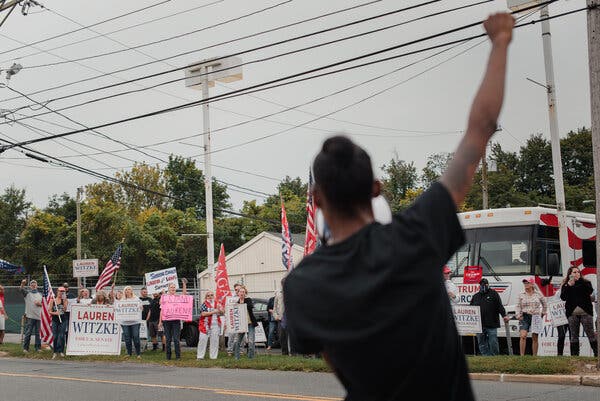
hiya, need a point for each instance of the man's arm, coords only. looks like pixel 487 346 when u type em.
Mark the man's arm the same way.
pixel 484 111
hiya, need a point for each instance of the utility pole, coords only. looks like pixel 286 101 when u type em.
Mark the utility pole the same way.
pixel 593 22
pixel 78 202
pixel 484 180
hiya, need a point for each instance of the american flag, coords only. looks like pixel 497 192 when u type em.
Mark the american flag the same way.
pixel 286 245
pixel 46 318
pixel 311 236
pixel 109 270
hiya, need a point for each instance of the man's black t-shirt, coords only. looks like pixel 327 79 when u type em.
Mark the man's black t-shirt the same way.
pixel 377 306
pixel 146 301
pixel 491 307
pixel 154 310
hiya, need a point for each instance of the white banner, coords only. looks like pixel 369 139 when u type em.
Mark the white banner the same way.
pixel 467 318
pixel 259 334
pixel 537 324
pixel 144 329
pixel 236 318
pixel 93 331
pixel 557 314
pixel 128 310
pixel 85 268
pixel 159 280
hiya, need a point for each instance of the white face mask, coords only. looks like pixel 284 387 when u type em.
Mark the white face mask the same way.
pixel 381 212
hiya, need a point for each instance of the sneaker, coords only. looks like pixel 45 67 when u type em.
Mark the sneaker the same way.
pixel 268 348
pixel 54 356
pixel 139 357
pixel 62 354
pixel 26 351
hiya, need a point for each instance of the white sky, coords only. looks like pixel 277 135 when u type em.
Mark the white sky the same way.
pixel 435 103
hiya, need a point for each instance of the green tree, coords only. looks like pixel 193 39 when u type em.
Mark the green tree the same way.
pixel 535 170
pixel 577 157
pixel 399 177
pixel 185 183
pixel 13 212
pixel 435 167
pixel 63 205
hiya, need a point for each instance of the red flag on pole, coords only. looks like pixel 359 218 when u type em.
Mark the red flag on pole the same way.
pixel 222 280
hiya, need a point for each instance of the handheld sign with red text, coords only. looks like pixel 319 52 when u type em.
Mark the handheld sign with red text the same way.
pixel 472 274
pixel 236 318
pixel 93 331
pixel 176 307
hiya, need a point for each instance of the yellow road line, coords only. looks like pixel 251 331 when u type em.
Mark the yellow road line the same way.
pixel 178 387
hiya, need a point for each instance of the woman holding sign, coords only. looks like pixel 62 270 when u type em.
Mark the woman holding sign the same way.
pixel 131 328
pixel 172 328
pixel 576 291
pixel 237 340
pixel 531 308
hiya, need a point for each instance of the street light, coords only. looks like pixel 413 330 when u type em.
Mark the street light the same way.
pixel 202 75
pixel 517 5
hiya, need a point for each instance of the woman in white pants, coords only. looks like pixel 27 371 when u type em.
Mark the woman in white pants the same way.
pixel 209 326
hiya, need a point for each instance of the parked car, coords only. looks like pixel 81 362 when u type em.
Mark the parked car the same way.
pixel 189 332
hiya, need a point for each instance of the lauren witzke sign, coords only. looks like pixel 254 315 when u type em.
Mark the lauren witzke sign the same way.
pixel 467 318
pixel 85 268
pixel 128 310
pixel 93 331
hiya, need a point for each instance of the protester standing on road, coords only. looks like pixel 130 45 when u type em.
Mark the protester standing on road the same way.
pixel 530 303
pixel 491 307
pixel 577 291
pixel 83 297
pixel 252 323
pixel 230 336
pixel 209 327
pixel 451 288
pixel 33 309
pixel 57 307
pixel 146 300
pixel 131 328
pixel 370 280
pixel 172 328
pixel 3 315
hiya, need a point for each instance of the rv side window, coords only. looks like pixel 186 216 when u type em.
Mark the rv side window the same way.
pixel 542 249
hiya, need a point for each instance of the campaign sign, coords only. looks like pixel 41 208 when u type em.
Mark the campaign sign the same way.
pixel 467 318
pixel 144 330
pixel 472 274
pixel 259 334
pixel 537 324
pixel 236 318
pixel 159 280
pixel 128 310
pixel 93 331
pixel 176 307
pixel 85 268
pixel 556 311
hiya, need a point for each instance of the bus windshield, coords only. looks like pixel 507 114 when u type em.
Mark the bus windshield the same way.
pixel 498 250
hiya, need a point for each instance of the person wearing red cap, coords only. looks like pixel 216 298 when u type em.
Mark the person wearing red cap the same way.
pixel 530 303
pixel 451 288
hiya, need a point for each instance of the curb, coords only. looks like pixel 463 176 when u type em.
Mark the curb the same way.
pixel 571 380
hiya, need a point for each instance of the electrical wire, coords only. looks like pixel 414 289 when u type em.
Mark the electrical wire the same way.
pixel 278 82
pixel 128 27
pixel 89 26
pixel 292 76
pixel 196 50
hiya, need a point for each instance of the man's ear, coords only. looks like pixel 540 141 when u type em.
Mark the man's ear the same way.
pixel 376 191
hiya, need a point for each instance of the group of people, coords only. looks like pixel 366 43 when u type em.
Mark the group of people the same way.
pixel 531 307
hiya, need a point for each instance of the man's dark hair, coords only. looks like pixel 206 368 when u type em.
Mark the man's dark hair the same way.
pixel 344 174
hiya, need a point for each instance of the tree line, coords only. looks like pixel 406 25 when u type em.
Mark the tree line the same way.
pixel 151 221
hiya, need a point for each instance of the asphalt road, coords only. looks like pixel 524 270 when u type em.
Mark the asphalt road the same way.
pixel 25 380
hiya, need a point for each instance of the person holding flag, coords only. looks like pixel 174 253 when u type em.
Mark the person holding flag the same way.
pixel 111 269
pixel 57 307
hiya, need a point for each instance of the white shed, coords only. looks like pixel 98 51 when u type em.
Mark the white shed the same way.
pixel 256 264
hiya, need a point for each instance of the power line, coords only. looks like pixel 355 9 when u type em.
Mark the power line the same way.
pixel 278 82
pixel 264 47
pixel 266 58
pixel 89 26
pixel 128 27
pixel 204 48
pixel 160 40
